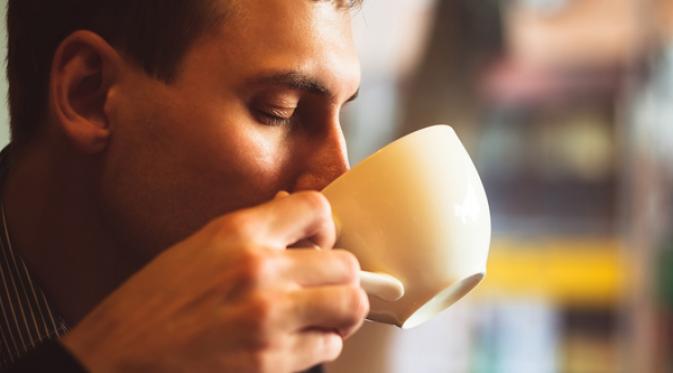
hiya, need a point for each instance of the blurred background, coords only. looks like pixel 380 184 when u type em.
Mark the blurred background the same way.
pixel 566 107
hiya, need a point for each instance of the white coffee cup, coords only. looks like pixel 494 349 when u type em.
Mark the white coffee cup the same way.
pixel 416 216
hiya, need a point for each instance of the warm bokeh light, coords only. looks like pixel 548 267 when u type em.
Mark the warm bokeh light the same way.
pixel 565 106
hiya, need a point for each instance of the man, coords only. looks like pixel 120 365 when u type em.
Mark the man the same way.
pixel 149 139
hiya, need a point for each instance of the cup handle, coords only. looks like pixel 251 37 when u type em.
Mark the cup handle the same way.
pixel 382 285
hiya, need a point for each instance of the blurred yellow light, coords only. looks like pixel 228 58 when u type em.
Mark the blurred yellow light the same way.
pixel 569 271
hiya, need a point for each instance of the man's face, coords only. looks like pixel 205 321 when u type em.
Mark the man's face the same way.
pixel 254 109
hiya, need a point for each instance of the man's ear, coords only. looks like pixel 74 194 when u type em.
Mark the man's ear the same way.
pixel 84 69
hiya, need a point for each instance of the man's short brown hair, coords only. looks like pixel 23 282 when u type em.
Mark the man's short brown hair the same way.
pixel 155 33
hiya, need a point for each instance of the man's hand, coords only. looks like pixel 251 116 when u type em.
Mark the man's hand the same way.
pixel 231 298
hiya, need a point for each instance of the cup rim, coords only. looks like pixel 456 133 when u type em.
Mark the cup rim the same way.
pixel 394 144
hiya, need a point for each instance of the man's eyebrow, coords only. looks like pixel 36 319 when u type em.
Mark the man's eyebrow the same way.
pixel 299 81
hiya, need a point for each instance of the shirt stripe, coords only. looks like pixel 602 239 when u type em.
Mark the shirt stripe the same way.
pixel 11 349
pixel 26 316
pixel 28 342
pixel 9 302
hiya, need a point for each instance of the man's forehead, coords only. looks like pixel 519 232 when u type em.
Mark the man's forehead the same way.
pixel 340 4
pixel 301 44
pixel 309 36
pixel 343 4
pixel 248 15
pixel 231 6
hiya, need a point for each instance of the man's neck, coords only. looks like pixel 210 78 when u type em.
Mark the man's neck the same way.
pixel 54 226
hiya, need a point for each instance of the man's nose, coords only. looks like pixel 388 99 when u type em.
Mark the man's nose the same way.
pixel 325 159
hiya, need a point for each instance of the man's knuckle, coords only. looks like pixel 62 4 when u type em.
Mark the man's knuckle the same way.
pixel 317 202
pixel 362 305
pixel 350 263
pixel 254 265
pixel 331 346
pixel 323 347
pixel 239 223
pixel 261 361
pixel 356 304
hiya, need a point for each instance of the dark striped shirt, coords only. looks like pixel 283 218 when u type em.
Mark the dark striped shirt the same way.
pixel 26 317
